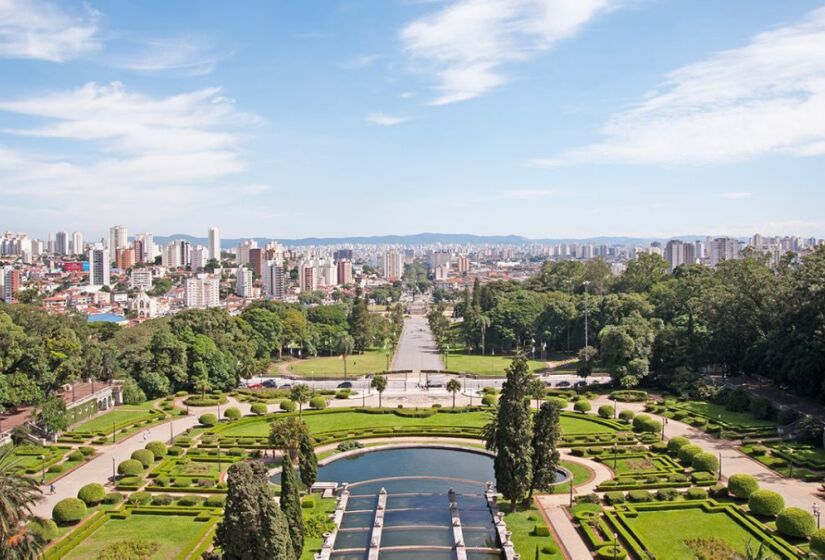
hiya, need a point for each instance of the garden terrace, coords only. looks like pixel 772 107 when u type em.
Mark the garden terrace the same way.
pixel 371 361
pixel 640 470
pixel 486 366
pixel 716 419
pixel 123 420
pixel 803 461
pixel 191 473
pixel 32 460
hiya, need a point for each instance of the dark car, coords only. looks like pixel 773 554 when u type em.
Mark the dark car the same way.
pixel 345 385
pixel 270 384
pixel 563 384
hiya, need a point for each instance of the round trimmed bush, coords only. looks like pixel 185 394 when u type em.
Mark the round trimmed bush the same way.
pixel 145 457
pixel 796 523
pixel 742 485
pixel 140 498
pixel 610 552
pixel 561 403
pixel 627 416
pixel 318 403
pixel 288 405
pixel 130 467
pixel 677 443
pixel 232 413
pixel 696 494
pixel 44 529
pixel 112 498
pixel 705 462
pixel 162 500
pixel 190 501
pixel 258 409
pixel 158 448
pixel 766 503
pixel 688 452
pixel 92 494
pixel 606 411
pixel 644 423
pixel 87 451
pixel 488 400
pixel 68 510
pixel 215 501
pixel 582 406
pixel 75 456
pixel 208 420
pixel 818 542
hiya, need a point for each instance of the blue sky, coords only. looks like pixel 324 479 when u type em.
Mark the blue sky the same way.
pixel 545 118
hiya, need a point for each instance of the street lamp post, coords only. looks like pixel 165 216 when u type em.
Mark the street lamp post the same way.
pixel 114 432
pixel 114 474
pixel 817 513
pixel 171 432
pixel 720 465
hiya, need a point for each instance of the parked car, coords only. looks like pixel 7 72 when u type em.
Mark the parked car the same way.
pixel 270 384
pixel 345 385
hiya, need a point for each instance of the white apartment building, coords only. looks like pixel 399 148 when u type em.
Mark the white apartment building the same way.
pixel 77 243
pixel 394 264
pixel 144 247
pixel 141 279
pixel 199 256
pixel 202 291
pixel 242 251
pixel 243 283
pixel 214 244
pixel 723 249
pixel 273 279
pixel 11 283
pixel 344 272
pixel 118 237
pixel 99 266
pixel 307 277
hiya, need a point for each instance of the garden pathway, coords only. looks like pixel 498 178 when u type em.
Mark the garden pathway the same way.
pixel 416 348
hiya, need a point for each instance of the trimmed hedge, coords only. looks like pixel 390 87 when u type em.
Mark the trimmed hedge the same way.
pixel 258 409
pixel 706 462
pixel 130 467
pixel 742 485
pixel 627 415
pixel 69 510
pixel 766 503
pixel 606 411
pixel 44 529
pixel 140 498
pixel 582 406
pixel 112 498
pixel 688 452
pixel 208 420
pixel 796 523
pixel 629 396
pixel 488 400
pixel 288 405
pixel 645 424
pixel 677 443
pixel 818 542
pixel 317 403
pixel 158 448
pixel 232 413
pixel 145 457
pixel 92 494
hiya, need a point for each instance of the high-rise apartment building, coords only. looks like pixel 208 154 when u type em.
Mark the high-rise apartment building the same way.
pixel 243 283
pixel 11 284
pixel 214 244
pixel 61 243
pixel 199 257
pixel 242 251
pixel 202 291
pixel 77 243
pixel 342 255
pixel 307 277
pixel 118 237
pixel 463 264
pixel 99 266
pixel 141 279
pixel 394 265
pixel 124 258
pixel 144 245
pixel 257 259
pixel 273 279
pixel 723 249
pixel 344 272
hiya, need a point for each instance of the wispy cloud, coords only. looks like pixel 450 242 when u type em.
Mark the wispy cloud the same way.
pixel 465 44
pixel 735 195
pixel 33 29
pixel 190 55
pixel 527 194
pixel 383 119
pixel 765 97
pixel 361 61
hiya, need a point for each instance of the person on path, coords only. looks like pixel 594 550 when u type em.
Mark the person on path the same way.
pixel 52 489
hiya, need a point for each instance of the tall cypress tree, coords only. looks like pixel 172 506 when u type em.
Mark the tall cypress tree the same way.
pixel 253 527
pixel 291 506
pixel 546 436
pixel 307 460
pixel 510 434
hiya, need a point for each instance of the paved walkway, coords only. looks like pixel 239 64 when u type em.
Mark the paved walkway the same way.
pixel 416 349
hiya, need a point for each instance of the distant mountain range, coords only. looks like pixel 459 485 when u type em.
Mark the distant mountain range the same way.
pixel 427 239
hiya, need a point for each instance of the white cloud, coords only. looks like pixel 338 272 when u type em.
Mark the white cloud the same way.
pixel 190 55
pixel 383 119
pixel 466 44
pixel 735 195
pixel 361 61
pixel 33 29
pixel 765 97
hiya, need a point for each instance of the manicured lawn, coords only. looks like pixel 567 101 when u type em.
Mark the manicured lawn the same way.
pixel 580 475
pixel 119 416
pixel 665 532
pixel 522 523
pixel 333 421
pixel 636 464
pixel 313 545
pixel 371 361
pixel 174 534
pixel 714 411
pixel 486 366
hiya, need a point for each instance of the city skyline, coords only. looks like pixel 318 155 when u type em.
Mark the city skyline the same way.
pixel 354 118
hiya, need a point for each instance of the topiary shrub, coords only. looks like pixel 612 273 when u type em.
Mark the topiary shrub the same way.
pixel 162 500
pixel 606 411
pixel 677 443
pixel 259 409
pixel 190 501
pixel 639 496
pixel 796 523
pixel 582 406
pixel 742 486
pixel 318 403
pixel 112 498
pixel 646 424
pixel 92 494
pixel 688 452
pixel 45 530
pixel 288 405
pixel 87 451
pixel 488 400
pixel 611 552
pixel 667 494
pixel 232 413
pixel 561 403
pixel 706 462
pixel 766 503
pixel 208 420
pixel 68 511
pixel 158 448
pixel 541 531
pixel 75 456
pixel 818 542
pixel 145 457
pixel 215 501
pixel 627 416
pixel 696 494
pixel 130 467
pixel 140 498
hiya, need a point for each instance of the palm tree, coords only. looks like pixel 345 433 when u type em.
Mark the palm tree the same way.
pixel 202 384
pixel 301 395
pixel 483 323
pixel 345 346
pixel 379 383
pixel 454 386
pixel 536 390
pixel 17 497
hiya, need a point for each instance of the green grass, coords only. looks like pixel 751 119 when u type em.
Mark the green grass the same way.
pixel 332 420
pixel 714 411
pixel 371 361
pixel 174 534
pixel 120 415
pixel 632 465
pixel 313 545
pixel 665 532
pixel 486 366
pixel 522 527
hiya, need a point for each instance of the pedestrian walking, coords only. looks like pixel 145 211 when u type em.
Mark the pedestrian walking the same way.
pixel 52 489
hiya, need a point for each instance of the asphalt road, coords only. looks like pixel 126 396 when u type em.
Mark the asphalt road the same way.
pixel 416 349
